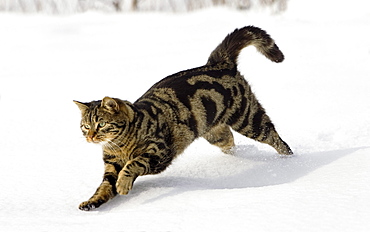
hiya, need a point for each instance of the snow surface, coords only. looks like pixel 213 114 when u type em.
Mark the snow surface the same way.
pixel 318 98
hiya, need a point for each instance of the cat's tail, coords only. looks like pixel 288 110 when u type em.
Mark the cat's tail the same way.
pixel 228 51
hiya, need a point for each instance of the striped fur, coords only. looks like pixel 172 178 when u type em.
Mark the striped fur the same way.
pixel 144 137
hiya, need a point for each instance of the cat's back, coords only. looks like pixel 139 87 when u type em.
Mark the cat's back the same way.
pixel 185 84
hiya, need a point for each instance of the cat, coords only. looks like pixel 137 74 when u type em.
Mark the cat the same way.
pixel 143 137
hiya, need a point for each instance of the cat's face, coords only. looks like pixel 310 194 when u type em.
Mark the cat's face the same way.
pixel 102 121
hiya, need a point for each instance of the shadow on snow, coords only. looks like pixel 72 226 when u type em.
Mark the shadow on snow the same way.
pixel 260 169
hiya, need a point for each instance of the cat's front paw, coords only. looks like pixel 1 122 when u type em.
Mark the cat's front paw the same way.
pixel 124 184
pixel 89 205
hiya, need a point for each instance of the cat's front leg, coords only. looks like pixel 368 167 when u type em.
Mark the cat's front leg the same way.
pixel 124 184
pixel 133 168
pixel 155 160
pixel 105 192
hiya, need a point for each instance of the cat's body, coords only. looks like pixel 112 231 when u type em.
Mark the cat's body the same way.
pixel 144 137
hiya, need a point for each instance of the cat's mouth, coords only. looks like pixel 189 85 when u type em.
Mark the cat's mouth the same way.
pixel 93 140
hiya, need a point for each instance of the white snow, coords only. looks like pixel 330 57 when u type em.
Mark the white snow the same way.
pixel 318 98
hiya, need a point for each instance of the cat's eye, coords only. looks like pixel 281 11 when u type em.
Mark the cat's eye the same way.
pixel 102 124
pixel 87 127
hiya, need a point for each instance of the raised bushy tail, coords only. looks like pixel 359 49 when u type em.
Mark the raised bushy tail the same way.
pixel 229 49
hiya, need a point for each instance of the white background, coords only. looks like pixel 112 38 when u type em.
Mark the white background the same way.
pixel 318 98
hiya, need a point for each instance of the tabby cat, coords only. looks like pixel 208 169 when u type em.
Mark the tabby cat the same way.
pixel 144 137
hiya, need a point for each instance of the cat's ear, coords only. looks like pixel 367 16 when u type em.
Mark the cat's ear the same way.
pixel 115 105
pixel 110 105
pixel 82 106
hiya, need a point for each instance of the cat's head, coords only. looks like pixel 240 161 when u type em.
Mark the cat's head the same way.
pixel 102 121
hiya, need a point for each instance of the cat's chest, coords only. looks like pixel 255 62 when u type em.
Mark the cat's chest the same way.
pixel 117 156
pixel 123 154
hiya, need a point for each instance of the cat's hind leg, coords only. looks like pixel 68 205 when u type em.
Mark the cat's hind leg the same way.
pixel 256 124
pixel 222 137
